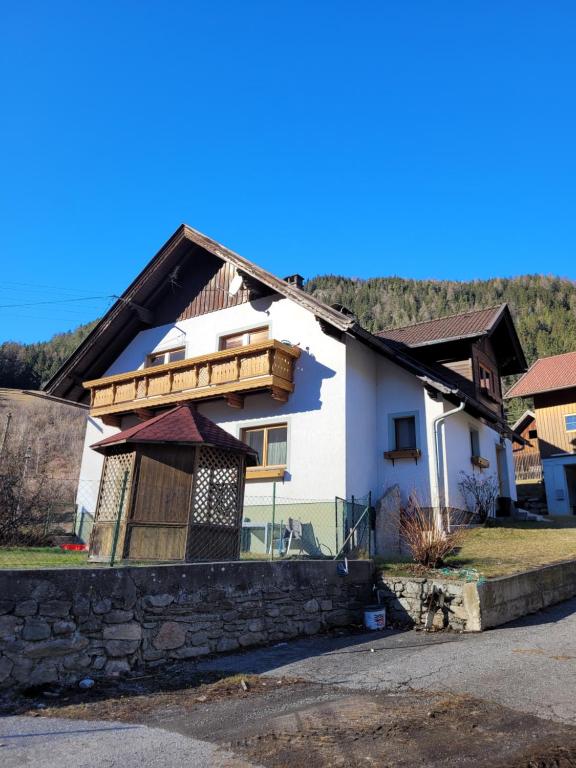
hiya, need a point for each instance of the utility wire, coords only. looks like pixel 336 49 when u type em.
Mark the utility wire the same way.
pixel 55 301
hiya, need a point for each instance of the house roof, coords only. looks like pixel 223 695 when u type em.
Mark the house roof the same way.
pixel 128 316
pixel 523 421
pixel 462 325
pixel 183 425
pixel 546 375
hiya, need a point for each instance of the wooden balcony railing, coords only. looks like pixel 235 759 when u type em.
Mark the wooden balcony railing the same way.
pixel 265 366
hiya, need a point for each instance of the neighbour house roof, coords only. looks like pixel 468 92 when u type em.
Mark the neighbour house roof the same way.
pixel 546 375
pixel 130 314
pixel 523 421
pixel 182 425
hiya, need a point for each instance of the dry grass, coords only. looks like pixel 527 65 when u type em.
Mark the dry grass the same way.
pixel 509 548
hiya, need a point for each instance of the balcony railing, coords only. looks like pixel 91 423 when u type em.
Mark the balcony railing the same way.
pixel 230 374
pixel 528 467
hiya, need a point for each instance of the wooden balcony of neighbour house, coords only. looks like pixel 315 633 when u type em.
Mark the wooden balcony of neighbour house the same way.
pixel 267 366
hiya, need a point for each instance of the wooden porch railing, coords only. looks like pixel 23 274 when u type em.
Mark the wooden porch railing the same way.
pixel 265 366
pixel 528 467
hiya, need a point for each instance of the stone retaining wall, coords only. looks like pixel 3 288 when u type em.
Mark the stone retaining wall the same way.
pixel 407 600
pixel 61 625
pixel 472 607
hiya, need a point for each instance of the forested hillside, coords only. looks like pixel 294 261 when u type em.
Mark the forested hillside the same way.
pixel 544 309
pixel 28 366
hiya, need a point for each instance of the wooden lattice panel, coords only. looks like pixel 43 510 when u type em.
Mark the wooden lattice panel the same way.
pixel 254 365
pixel 111 487
pixel 217 489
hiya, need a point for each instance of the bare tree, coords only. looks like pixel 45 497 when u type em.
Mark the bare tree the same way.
pixel 480 494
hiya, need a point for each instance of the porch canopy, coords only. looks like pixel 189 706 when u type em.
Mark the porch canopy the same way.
pixel 172 489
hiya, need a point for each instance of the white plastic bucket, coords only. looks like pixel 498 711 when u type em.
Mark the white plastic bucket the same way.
pixel 375 617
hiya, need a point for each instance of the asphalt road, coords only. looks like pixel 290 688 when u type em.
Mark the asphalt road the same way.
pixel 529 666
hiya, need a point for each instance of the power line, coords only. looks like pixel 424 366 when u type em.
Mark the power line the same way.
pixel 55 301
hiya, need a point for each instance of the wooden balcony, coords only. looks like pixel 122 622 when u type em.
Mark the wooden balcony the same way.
pixel 267 366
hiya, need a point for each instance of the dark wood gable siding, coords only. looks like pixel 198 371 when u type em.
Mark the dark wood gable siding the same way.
pixel 199 286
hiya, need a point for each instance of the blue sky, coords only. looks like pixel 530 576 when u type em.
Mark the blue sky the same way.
pixel 423 139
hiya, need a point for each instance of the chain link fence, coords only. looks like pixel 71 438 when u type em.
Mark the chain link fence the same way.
pixel 268 527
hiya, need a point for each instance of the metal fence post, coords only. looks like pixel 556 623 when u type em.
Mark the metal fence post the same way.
pixel 273 519
pixel 119 518
pixel 336 520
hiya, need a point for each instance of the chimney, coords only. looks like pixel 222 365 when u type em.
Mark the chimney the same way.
pixel 295 280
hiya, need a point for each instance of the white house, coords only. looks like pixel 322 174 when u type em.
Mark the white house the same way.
pixel 333 410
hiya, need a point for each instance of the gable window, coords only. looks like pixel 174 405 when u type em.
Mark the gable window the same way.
pixel 487 380
pixel 270 442
pixel 252 336
pixel 166 356
pixel 570 421
pixel 533 433
pixel 405 433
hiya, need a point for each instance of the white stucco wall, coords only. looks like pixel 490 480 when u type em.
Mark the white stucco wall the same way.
pixel 457 452
pixel 401 393
pixel 362 458
pixel 316 466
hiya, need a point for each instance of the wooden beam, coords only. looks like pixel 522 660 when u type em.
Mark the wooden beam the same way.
pixel 279 394
pixel 111 420
pixel 234 400
pixel 144 413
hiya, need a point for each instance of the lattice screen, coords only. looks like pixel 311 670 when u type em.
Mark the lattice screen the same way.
pixel 111 487
pixel 217 489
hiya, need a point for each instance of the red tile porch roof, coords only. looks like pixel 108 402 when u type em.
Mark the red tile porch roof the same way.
pixel 182 424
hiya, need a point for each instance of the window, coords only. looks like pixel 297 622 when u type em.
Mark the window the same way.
pixel 474 442
pixel 533 433
pixel 570 422
pixel 270 443
pixel 405 433
pixel 252 336
pixel 486 380
pixel 167 356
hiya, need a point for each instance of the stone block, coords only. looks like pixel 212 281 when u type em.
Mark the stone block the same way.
pixel 9 626
pixel 121 647
pixel 35 628
pixel 325 605
pixel 6 606
pixel 101 605
pixel 76 662
pixel 57 608
pixel 311 606
pixel 199 638
pixel 6 667
pixel 312 627
pixel 80 605
pixel 338 618
pixel 256 625
pixel 118 616
pixel 116 667
pixel 63 627
pixel 99 662
pixel 42 673
pixel 26 608
pixel 273 612
pixel 91 624
pixel 157 601
pixel 58 647
pixel 171 635
pixel 252 638
pixel 227 644
pixel 130 631
pixel 151 654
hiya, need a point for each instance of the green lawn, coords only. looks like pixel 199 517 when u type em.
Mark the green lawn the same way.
pixel 508 548
pixel 39 557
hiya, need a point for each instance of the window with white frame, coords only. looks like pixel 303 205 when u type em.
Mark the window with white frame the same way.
pixel 474 442
pixel 570 421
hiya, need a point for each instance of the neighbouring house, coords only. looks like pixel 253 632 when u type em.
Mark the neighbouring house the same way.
pixel 331 409
pixel 527 459
pixel 551 382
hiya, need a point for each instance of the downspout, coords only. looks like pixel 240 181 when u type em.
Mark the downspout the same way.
pixel 441 481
